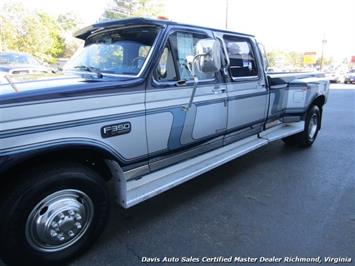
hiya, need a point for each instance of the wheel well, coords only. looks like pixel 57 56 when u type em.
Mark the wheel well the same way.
pixel 319 101
pixel 88 156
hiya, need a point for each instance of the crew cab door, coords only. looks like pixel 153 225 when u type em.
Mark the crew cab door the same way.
pixel 247 91
pixel 174 132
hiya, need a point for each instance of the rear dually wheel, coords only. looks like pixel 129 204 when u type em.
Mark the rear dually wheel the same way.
pixel 312 125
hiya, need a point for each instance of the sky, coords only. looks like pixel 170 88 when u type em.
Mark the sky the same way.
pixel 292 25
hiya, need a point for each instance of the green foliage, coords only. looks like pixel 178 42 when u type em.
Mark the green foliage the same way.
pixel 68 21
pixel 119 9
pixel 280 59
pixel 294 59
pixel 34 32
pixel 68 24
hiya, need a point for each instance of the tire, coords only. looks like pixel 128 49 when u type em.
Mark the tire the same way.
pixel 312 124
pixel 54 214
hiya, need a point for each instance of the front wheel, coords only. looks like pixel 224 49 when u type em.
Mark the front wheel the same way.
pixel 310 132
pixel 53 215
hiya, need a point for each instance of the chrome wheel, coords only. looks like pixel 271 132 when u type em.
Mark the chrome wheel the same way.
pixel 59 220
pixel 312 126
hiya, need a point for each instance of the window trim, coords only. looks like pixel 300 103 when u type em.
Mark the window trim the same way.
pixel 245 78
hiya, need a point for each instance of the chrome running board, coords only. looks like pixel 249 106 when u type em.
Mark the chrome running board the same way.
pixel 135 191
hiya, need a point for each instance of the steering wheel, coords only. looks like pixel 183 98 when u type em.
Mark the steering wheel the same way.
pixel 138 61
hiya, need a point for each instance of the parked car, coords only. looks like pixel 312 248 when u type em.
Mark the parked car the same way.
pixel 350 76
pixel 147 104
pixel 20 63
pixel 335 76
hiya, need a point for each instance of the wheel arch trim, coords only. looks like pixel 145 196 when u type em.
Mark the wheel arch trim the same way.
pixel 13 157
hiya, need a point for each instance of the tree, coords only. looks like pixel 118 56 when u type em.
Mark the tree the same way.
pixel 69 23
pixel 294 59
pixel 37 33
pixel 119 9
pixel 282 59
pixel 31 32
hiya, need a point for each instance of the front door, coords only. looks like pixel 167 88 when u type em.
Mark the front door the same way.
pixel 173 132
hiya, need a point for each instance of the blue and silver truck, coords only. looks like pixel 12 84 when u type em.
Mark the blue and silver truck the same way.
pixel 145 106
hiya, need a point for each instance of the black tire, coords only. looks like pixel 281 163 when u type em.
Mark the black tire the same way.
pixel 311 127
pixel 80 186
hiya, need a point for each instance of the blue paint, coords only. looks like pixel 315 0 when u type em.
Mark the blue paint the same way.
pixel 69 86
pixel 179 116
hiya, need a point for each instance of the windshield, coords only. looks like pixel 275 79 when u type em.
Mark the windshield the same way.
pixel 17 59
pixel 121 51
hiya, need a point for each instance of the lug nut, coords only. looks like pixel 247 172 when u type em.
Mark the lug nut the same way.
pixel 54 224
pixel 71 233
pixel 71 212
pixel 60 237
pixel 61 215
pixel 53 233
pixel 78 225
pixel 77 216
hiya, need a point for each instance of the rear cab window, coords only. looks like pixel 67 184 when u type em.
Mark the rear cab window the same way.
pixel 242 57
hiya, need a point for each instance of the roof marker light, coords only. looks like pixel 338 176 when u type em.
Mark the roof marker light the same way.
pixel 163 17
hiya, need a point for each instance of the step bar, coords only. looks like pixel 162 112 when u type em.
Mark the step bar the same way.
pixel 135 191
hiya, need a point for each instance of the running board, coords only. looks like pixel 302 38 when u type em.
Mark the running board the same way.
pixel 282 131
pixel 135 191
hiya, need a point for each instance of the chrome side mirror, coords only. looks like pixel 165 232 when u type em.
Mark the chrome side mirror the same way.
pixel 208 53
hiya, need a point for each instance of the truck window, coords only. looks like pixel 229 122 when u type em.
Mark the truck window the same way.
pixel 183 45
pixel 122 51
pixel 242 59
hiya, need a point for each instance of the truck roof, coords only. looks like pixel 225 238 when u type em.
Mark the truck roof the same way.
pixel 87 31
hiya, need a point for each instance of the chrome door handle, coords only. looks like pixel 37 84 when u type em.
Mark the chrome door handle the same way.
pixel 261 86
pixel 218 90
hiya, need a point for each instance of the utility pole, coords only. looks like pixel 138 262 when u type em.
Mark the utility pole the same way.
pixel 226 14
pixel 324 42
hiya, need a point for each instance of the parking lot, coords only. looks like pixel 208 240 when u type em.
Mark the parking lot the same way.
pixel 276 201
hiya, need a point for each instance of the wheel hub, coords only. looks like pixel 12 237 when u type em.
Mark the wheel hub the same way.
pixel 59 220
pixel 313 125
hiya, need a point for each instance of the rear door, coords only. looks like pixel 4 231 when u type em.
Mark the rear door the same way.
pixel 247 91
pixel 174 133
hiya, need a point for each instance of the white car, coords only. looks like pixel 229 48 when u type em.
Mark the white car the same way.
pixel 20 63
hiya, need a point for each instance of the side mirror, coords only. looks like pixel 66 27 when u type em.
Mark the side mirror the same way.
pixel 208 56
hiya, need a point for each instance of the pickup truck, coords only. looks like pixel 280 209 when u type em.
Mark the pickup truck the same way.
pixel 145 106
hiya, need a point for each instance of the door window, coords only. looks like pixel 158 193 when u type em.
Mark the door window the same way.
pixel 173 65
pixel 183 45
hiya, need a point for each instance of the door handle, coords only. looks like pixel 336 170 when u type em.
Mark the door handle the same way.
pixel 180 83
pixel 218 90
pixel 261 86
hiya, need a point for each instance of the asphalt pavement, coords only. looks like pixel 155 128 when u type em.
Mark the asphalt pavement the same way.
pixel 276 201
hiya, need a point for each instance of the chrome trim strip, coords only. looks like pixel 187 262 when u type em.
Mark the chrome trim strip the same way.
pixel 136 172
